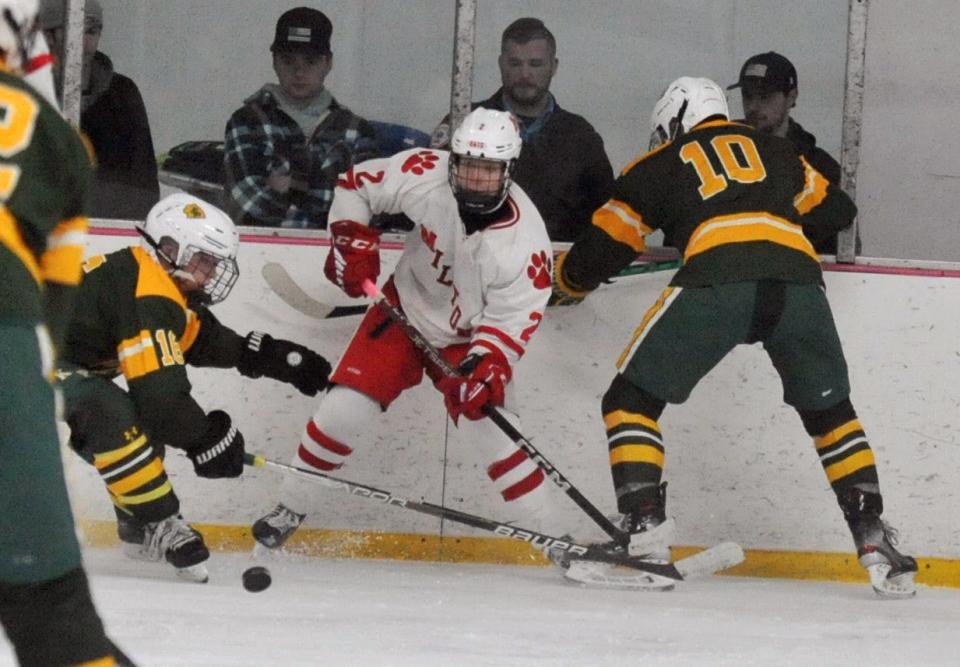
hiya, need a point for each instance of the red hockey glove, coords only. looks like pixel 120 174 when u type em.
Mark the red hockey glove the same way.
pixel 480 384
pixel 354 256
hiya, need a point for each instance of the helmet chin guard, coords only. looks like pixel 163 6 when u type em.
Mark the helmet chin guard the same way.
pixel 484 150
pixel 685 103
pixel 197 243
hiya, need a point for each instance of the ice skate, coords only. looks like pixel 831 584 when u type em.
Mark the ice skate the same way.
pixel 651 533
pixel 172 540
pixel 274 529
pixel 891 572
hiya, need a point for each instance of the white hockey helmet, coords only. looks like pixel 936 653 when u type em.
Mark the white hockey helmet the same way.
pixel 18 28
pixel 686 102
pixel 206 239
pixel 485 135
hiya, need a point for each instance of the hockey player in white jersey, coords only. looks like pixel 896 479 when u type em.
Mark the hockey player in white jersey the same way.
pixel 474 278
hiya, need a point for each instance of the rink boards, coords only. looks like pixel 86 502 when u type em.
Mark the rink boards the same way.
pixel 738 462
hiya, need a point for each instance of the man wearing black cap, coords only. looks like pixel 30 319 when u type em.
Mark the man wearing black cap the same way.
pixel 768 85
pixel 288 142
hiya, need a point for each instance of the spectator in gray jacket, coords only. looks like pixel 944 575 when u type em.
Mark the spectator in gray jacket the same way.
pixel 288 142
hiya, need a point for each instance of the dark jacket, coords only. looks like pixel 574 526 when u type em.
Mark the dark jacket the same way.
pixel 114 118
pixel 818 158
pixel 563 169
pixel 823 162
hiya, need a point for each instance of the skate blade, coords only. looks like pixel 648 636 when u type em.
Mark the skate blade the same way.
pixel 899 587
pixel 261 552
pixel 196 574
pixel 604 575
pixel 137 552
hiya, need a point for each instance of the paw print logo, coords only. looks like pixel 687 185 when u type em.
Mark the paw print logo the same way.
pixel 420 162
pixel 540 270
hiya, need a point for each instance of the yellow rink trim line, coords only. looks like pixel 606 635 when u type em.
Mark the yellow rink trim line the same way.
pixel 822 566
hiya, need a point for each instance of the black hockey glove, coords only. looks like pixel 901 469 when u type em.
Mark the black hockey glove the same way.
pixel 220 452
pixel 264 355
pixel 564 294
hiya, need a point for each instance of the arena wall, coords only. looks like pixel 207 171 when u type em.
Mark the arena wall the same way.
pixel 739 464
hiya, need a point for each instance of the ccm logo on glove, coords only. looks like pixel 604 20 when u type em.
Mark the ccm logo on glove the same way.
pixel 354 256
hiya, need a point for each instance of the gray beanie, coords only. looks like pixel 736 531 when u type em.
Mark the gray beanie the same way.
pixel 52 14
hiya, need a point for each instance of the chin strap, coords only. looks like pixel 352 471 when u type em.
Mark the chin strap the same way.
pixel 156 248
pixel 677 130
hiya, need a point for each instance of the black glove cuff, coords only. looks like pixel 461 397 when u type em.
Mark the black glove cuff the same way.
pixel 254 346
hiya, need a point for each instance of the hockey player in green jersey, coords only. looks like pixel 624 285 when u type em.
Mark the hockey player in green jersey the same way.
pixel 45 605
pixel 142 312
pixel 744 209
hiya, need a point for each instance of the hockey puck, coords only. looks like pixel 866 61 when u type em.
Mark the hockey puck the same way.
pixel 256 579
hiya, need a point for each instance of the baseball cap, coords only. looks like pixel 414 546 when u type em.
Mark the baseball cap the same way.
pixel 303 30
pixel 769 69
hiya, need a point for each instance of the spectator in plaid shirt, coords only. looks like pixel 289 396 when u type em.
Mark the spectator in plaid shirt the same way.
pixel 288 142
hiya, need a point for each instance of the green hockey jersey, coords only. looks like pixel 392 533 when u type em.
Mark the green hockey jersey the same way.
pixel 44 186
pixel 738 205
pixel 132 320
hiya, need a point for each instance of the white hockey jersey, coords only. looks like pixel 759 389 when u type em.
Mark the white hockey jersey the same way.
pixel 488 288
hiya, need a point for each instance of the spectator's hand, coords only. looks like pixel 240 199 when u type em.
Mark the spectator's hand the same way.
pixel 481 382
pixel 284 360
pixel 354 256
pixel 219 453
pixel 279 182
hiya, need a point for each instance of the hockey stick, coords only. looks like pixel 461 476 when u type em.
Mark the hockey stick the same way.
pixel 293 295
pixel 638 268
pixel 497 417
pixel 704 563
pixel 285 287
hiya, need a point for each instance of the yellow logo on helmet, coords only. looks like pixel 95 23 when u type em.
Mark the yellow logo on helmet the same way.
pixel 193 211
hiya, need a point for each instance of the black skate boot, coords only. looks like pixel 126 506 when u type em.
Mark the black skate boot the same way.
pixel 651 532
pixel 891 572
pixel 171 539
pixel 130 532
pixel 275 528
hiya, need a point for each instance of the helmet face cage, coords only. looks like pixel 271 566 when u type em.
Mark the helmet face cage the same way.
pixel 216 274
pixel 205 240
pixel 476 188
pixel 485 136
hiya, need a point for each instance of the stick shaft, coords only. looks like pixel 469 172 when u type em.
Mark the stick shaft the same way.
pixel 497 417
pixel 534 538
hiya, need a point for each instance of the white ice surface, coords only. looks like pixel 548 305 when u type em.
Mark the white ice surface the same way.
pixel 363 612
